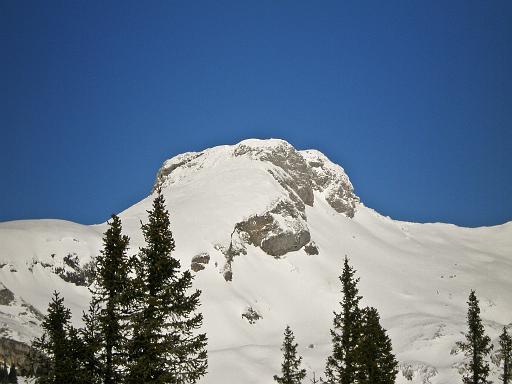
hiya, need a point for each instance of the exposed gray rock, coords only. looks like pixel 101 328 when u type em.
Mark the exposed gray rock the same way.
pixel 285 242
pixel 331 180
pixel 228 273
pixel 277 232
pixel 71 260
pixel 251 315
pixel 196 267
pixel 280 230
pixel 6 296
pixel 185 159
pixel 302 172
pixel 291 169
pixel 236 248
pixel 341 204
pixel 226 270
pixel 72 272
pixel 200 261
pixel 311 248
pixel 202 258
pixel 417 370
pixel 237 244
pixel 12 351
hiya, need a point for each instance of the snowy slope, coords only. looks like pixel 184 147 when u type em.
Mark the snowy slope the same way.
pixel 255 208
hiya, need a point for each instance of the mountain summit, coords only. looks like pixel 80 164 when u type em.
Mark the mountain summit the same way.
pixel 265 228
pixel 279 181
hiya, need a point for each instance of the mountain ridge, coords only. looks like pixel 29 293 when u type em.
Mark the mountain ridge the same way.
pixel 242 212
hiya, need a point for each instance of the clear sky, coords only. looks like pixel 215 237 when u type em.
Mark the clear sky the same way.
pixel 412 98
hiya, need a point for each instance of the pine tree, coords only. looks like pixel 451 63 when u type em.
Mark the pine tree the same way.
pixel 505 355
pixel 291 373
pixel 92 339
pixel 75 352
pixel 54 344
pixel 342 365
pixel 110 292
pixel 377 362
pixel 38 363
pixel 476 347
pixel 3 373
pixel 12 377
pixel 164 346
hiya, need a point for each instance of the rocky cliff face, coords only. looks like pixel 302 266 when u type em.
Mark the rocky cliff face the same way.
pixel 18 353
pixel 16 315
pixel 331 181
pixel 282 227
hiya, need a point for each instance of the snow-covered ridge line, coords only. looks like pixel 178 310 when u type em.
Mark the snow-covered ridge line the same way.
pixel 265 227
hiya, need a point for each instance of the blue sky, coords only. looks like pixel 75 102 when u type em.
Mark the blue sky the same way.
pixel 413 99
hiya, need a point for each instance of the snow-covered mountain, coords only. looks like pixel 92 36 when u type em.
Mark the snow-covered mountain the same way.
pixel 265 227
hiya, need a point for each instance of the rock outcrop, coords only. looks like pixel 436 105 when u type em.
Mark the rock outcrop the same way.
pixel 200 261
pixel 283 227
pixel 278 231
pixel 311 248
pixel 185 160
pixel 289 168
pixel 6 295
pixel 332 182
pixel 18 353
pixel 417 370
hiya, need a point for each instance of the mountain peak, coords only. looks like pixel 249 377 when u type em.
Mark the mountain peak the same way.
pixel 274 219
pixel 300 172
pixel 264 143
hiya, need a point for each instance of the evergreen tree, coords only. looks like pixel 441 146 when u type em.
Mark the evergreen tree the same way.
pixel 3 373
pixel 377 362
pixel 75 351
pixel 476 347
pixel 12 377
pixel 342 365
pixel 505 355
pixel 110 292
pixel 55 345
pixel 164 346
pixel 92 339
pixel 39 364
pixel 291 373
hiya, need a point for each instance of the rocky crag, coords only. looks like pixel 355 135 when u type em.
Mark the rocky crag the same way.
pixel 282 227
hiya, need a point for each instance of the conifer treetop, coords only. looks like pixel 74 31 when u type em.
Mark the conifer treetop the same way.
pixel 377 363
pixel 476 347
pixel 341 366
pixel 505 356
pixel 290 368
pixel 165 346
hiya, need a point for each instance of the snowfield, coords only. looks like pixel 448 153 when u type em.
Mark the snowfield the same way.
pixel 417 275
